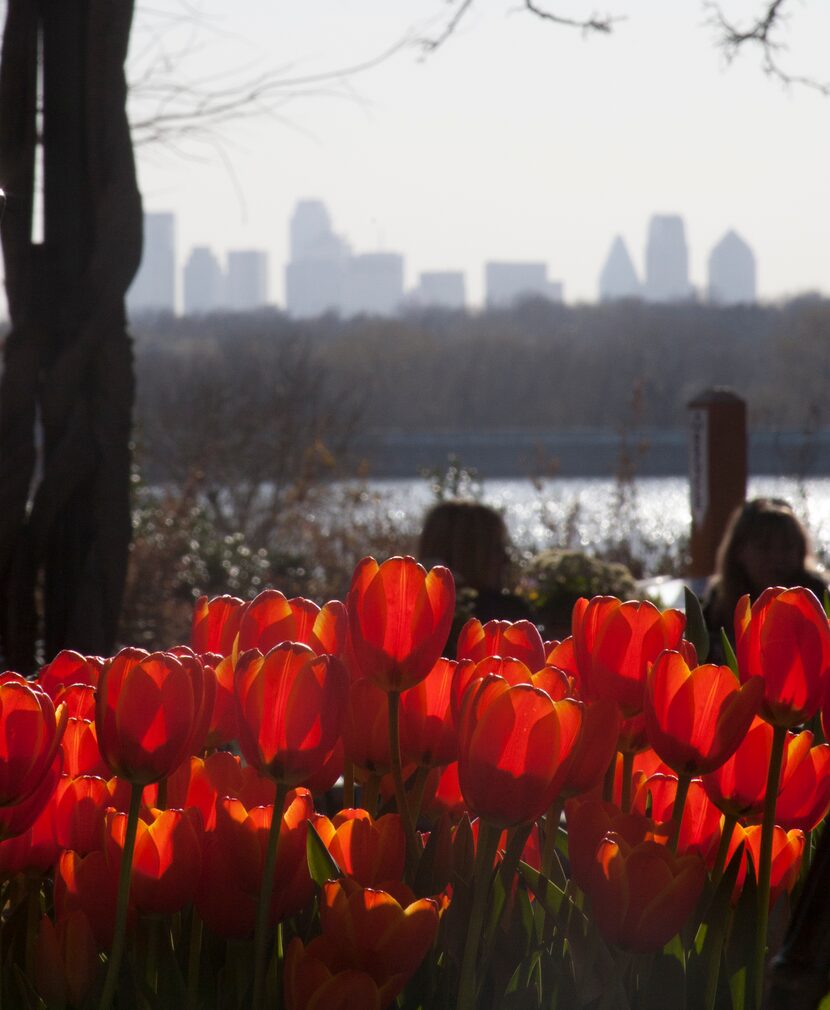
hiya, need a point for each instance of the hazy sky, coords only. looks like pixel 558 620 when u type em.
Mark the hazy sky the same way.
pixel 516 140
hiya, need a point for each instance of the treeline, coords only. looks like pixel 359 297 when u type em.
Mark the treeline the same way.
pixel 538 365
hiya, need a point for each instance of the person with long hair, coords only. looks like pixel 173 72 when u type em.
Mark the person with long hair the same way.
pixel 763 545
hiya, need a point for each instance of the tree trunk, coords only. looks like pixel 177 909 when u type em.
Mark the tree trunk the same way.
pixel 67 387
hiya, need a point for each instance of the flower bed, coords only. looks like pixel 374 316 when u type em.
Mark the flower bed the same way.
pixel 311 807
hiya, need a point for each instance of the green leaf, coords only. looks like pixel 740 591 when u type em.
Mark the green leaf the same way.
pixel 546 892
pixel 729 652
pixel 430 871
pixel 321 864
pixel 696 631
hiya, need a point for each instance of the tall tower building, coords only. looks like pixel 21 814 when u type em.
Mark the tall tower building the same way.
pixel 154 287
pixel 204 282
pixel 618 278
pixel 506 283
pixel 441 288
pixel 246 286
pixel 732 277
pixel 315 277
pixel 374 283
pixel 667 260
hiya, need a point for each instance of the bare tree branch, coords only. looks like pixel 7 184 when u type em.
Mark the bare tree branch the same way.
pixel 591 24
pixel 762 33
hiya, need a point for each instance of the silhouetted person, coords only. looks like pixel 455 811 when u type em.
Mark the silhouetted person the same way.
pixel 764 545
pixel 471 539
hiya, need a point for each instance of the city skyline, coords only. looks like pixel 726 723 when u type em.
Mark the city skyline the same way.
pixel 325 273
pixel 541 156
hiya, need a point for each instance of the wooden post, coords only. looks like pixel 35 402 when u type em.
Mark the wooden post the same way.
pixel 717 471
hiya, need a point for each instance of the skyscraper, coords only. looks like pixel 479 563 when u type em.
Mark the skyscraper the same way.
pixel 731 271
pixel 667 260
pixel 246 286
pixel 443 288
pixel 315 277
pixel 374 283
pixel 506 283
pixel 154 287
pixel 618 278
pixel 204 281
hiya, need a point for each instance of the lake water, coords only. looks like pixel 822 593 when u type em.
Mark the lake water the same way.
pixel 586 512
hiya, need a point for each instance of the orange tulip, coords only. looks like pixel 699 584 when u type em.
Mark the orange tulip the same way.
pixel 510 640
pixel 509 751
pixel 428 735
pixel 615 642
pixel 146 713
pixel 643 895
pixel 373 852
pixel 399 619
pixel 787 853
pixel 311 985
pixel 696 719
pixel 738 786
pixel 804 798
pixel 30 733
pixel 290 705
pixel 270 619
pixel 700 827
pixel 784 637
pixel 374 932
pixel 216 624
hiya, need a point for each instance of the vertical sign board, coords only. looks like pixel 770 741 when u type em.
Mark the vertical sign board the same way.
pixel 717 472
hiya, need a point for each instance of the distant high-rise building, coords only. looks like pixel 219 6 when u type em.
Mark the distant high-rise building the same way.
pixel 731 271
pixel 311 234
pixel 374 283
pixel 618 278
pixel 443 288
pixel 154 287
pixel 246 286
pixel 505 283
pixel 667 260
pixel 204 281
pixel 315 277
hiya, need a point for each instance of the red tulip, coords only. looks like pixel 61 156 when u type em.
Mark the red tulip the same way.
pixel 510 640
pixel 19 817
pixel 804 798
pixel 69 668
pixel 311 985
pixel 738 786
pixel 509 751
pixel 167 859
pixel 270 619
pixel 428 735
pixel 80 804
pixel 642 895
pixel 366 727
pixel 146 714
pixel 30 733
pixel 787 853
pixel 593 749
pixel 695 719
pixel 784 637
pixel 87 884
pixel 290 706
pixel 399 619
pixel 700 827
pixel 588 822
pixel 615 642
pixel 371 852
pixel 216 624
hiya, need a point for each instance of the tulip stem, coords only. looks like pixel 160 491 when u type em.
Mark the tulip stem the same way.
pixel 627 772
pixel 264 905
pixel 729 822
pixel 348 785
pixel 779 739
pixel 397 775
pixel 684 780
pixel 416 797
pixel 194 960
pixel 552 819
pixel 124 879
pixel 371 790
pixel 488 841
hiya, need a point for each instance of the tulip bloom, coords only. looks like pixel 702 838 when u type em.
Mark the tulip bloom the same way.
pixel 804 798
pixel 695 719
pixel 69 668
pixel 643 895
pixel 510 640
pixel 428 735
pixel 588 822
pixel 593 749
pixel 216 624
pixel 399 619
pixel 614 644
pixel 784 637
pixel 80 804
pixel 738 786
pixel 372 852
pixel 66 959
pixel 290 706
pixel 270 619
pixel 30 733
pixel 146 713
pixel 509 751
pixel 311 985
